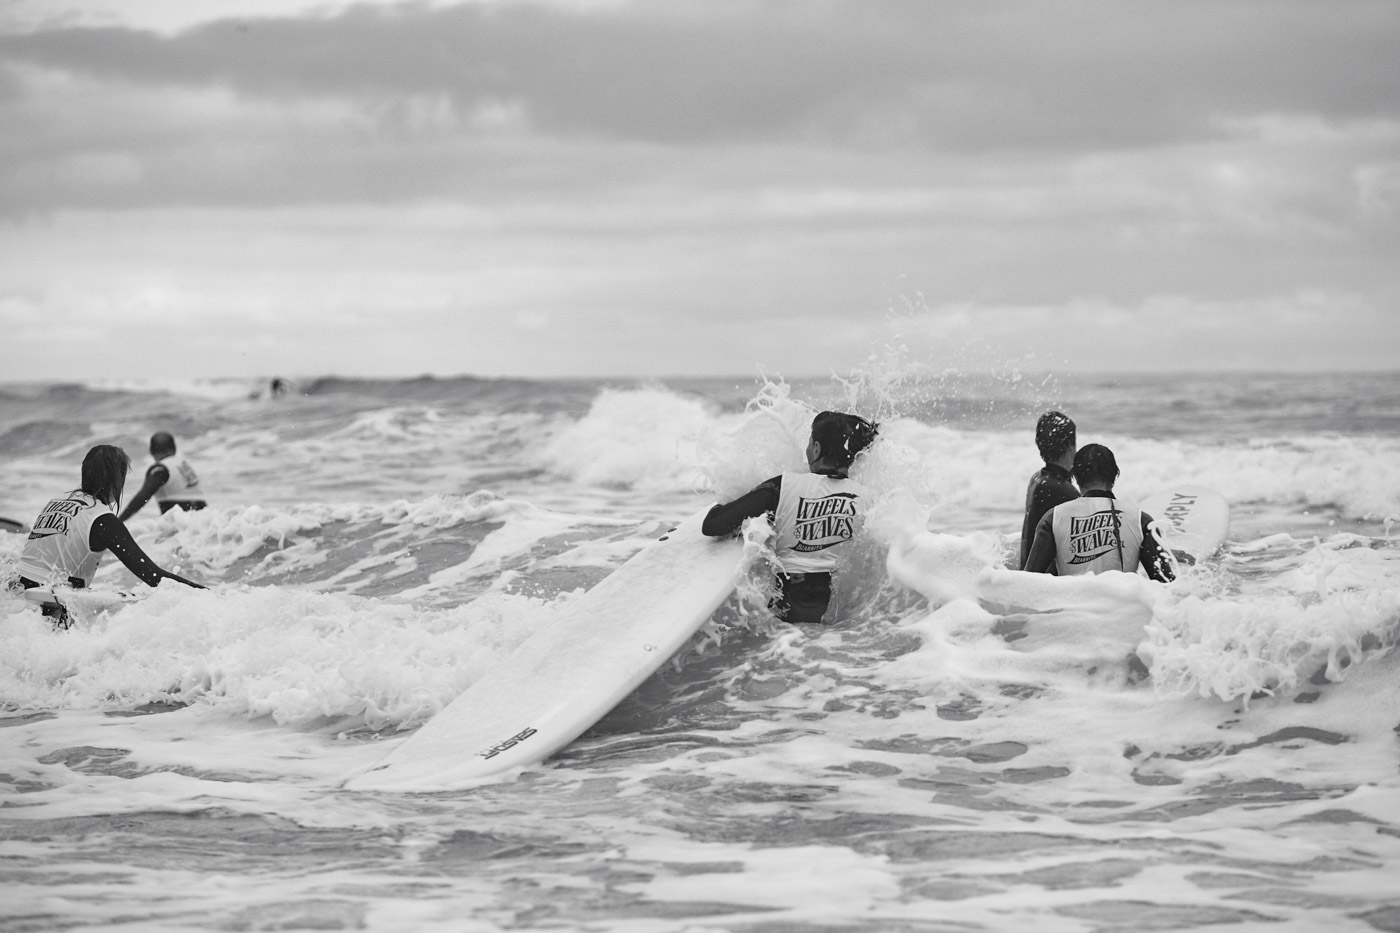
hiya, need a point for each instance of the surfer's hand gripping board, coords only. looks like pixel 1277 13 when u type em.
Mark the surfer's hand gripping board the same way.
pixel 63 603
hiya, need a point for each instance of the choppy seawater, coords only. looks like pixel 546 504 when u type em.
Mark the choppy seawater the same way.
pixel 374 546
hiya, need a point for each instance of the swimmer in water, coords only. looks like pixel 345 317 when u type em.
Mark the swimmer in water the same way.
pixel 171 479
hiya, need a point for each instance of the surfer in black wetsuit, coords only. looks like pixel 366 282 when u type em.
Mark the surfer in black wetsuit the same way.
pixel 813 513
pixel 1055 437
pixel 72 532
pixel 173 488
pixel 1094 532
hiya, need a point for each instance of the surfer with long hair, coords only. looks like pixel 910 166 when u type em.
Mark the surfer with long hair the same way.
pixel 69 537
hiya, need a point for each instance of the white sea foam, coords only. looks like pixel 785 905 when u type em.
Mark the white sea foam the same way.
pixel 967 742
pixel 298 658
pixel 632 439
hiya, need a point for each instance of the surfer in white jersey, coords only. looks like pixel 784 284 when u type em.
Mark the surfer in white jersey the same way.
pixel 1095 532
pixel 814 514
pixel 72 532
pixel 171 479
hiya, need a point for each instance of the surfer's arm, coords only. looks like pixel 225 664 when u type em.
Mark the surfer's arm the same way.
pixel 726 517
pixel 109 534
pixel 1153 555
pixel 1028 520
pixel 1042 496
pixel 1041 558
pixel 156 477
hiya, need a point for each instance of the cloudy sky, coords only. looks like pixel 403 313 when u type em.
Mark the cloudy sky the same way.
pixel 678 187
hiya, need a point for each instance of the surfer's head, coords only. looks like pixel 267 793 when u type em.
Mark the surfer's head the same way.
pixel 1094 465
pixel 104 473
pixel 1054 435
pixel 162 444
pixel 837 437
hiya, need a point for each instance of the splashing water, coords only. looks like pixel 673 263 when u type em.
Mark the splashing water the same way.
pixel 967 747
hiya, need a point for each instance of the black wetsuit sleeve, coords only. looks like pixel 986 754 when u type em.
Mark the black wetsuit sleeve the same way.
pixel 109 534
pixel 726 517
pixel 1028 522
pixel 1042 494
pixel 157 475
pixel 1153 555
pixel 1041 558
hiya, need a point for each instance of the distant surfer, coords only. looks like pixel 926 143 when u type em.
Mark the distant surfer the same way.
pixel 814 514
pixel 276 388
pixel 171 479
pixel 1095 533
pixel 1055 438
pixel 71 533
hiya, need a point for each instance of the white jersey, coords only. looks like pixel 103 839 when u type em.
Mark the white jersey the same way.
pixel 1094 534
pixel 183 484
pixel 58 548
pixel 815 515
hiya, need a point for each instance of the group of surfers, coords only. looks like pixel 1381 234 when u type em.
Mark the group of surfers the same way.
pixel 72 532
pixel 1068 529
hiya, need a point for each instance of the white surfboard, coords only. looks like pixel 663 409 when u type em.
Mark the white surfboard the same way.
pixel 599 648
pixel 1194 520
pixel 83 604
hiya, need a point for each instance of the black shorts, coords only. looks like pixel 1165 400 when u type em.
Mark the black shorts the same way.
pixel 802 597
pixel 54 612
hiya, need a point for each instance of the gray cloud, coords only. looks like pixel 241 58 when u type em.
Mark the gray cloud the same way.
pixel 852 72
pixel 657 118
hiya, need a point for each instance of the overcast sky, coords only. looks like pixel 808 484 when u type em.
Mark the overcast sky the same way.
pixel 668 187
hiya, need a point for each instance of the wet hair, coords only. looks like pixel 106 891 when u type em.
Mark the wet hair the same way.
pixel 162 442
pixel 842 436
pixel 104 473
pixel 1095 462
pixel 1054 435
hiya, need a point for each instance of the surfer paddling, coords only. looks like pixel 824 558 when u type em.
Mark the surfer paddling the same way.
pixel 814 514
pixel 1055 438
pixel 1094 533
pixel 171 479
pixel 72 532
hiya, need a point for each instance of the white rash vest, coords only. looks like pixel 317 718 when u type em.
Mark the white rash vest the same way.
pixel 816 514
pixel 1094 534
pixel 58 547
pixel 183 484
